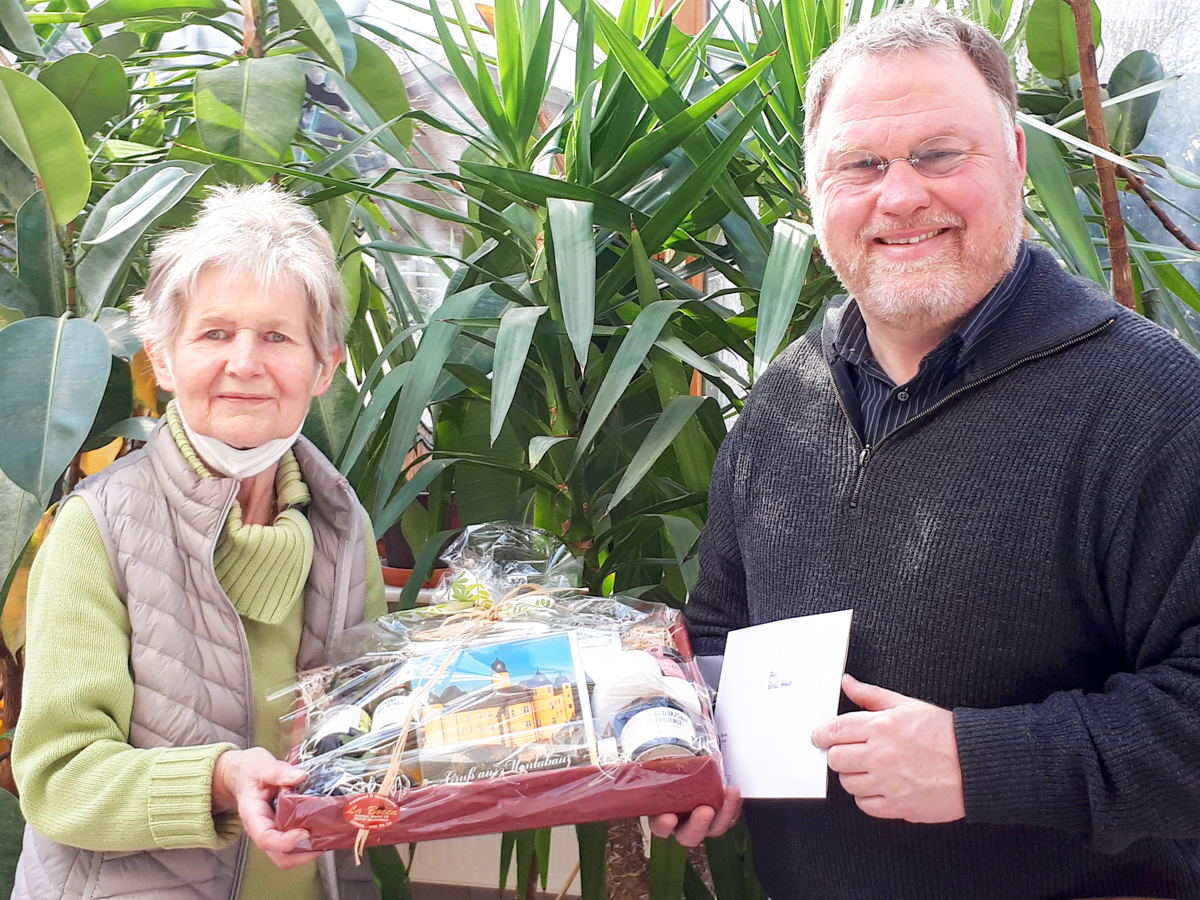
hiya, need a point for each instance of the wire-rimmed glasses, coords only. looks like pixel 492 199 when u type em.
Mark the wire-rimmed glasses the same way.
pixel 934 158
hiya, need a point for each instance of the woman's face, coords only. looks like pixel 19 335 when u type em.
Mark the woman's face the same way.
pixel 243 368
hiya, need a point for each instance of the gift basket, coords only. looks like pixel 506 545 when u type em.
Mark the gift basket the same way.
pixel 517 701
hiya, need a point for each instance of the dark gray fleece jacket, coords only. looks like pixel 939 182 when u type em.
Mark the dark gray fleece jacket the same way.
pixel 1027 553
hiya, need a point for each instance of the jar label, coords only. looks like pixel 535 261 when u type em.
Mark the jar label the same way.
pixel 391 713
pixel 343 719
pixel 654 726
pixel 371 812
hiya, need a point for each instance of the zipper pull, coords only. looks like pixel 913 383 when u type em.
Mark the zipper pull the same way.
pixel 864 455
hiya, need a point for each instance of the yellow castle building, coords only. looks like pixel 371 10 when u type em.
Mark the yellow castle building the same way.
pixel 510 715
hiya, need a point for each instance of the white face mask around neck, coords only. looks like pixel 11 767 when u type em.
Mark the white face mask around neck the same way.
pixel 231 461
pixel 228 460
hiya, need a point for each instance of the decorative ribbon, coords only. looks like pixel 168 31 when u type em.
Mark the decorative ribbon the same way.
pixel 460 627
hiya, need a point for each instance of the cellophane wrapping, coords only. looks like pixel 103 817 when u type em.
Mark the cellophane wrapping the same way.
pixel 521 702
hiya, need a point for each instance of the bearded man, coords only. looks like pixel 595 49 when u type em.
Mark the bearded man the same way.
pixel 994 465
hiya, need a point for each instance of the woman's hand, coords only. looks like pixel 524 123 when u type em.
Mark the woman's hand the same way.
pixel 247 780
pixel 703 821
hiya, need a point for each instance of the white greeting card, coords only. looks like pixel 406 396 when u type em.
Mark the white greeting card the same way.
pixel 779 681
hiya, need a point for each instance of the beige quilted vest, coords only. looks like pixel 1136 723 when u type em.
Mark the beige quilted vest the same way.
pixel 188 655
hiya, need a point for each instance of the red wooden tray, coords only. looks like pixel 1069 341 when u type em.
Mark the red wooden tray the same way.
pixel 517 802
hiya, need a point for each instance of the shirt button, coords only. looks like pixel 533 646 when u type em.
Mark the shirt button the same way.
pixel 903 395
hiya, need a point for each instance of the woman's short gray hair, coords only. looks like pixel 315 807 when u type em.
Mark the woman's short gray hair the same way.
pixel 908 30
pixel 262 232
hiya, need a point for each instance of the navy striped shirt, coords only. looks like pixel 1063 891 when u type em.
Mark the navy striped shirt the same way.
pixel 876 404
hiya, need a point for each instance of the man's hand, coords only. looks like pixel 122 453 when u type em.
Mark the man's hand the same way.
pixel 898 758
pixel 703 821
pixel 247 780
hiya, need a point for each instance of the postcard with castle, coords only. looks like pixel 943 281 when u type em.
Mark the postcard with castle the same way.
pixel 506 708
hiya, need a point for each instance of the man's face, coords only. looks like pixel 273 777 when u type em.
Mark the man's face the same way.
pixel 967 224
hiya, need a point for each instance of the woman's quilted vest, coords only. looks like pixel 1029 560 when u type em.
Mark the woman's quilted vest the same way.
pixel 188 655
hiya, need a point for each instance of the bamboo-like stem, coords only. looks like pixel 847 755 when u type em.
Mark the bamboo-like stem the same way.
pixel 251 39
pixel 1110 199
pixel 1139 186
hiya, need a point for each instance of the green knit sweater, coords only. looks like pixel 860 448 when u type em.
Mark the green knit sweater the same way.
pixel 80 781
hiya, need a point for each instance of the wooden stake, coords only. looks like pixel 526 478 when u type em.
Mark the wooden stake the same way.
pixel 251 41
pixel 1110 200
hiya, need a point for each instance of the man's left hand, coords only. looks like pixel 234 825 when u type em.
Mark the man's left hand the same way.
pixel 898 757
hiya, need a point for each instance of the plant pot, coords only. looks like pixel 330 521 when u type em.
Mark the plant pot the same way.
pixel 396 550
pixel 397 576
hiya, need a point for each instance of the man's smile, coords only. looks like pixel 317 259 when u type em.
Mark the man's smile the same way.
pixel 912 240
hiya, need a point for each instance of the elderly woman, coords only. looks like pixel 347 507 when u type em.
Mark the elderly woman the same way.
pixel 187 582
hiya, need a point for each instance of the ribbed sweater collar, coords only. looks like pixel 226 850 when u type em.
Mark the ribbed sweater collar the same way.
pixel 262 568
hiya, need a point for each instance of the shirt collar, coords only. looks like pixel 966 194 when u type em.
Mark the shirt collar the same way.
pixel 851 342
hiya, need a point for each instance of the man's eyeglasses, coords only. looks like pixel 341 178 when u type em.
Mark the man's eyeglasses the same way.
pixel 936 158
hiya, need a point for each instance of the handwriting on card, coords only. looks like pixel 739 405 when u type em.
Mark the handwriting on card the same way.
pixel 775 681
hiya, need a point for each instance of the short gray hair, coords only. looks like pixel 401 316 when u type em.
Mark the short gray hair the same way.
pixel 908 30
pixel 261 231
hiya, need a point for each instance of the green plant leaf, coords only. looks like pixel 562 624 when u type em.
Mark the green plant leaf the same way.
pixel 653 84
pixel 1067 138
pixel 731 863
pixel 119 327
pixel 1052 182
pixel 53 373
pixel 694 887
pixel 15 294
pixel 136 428
pixel 40 257
pixel 668 860
pixel 538 189
pixel 649 150
pixel 20 513
pixel 390 873
pixel 123 10
pixel 593 860
pixel 512 347
pixel 1138 69
pixel 122 45
pixel 251 109
pixel 117 224
pixel 115 406
pixel 541 845
pixel 332 29
pixel 508 842
pixel 427 559
pixel 40 131
pixel 12 831
pixel 526 860
pixel 331 415
pixel 376 77
pixel 368 420
pixel 414 396
pixel 540 444
pixel 15 31
pixel 17 182
pixel 537 77
pixel 575 263
pixel 1184 177
pixel 681 202
pixel 784 279
pixel 92 88
pixel 666 427
pixel 1050 38
pixel 629 358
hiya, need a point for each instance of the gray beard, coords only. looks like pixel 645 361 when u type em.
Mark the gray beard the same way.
pixel 932 292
